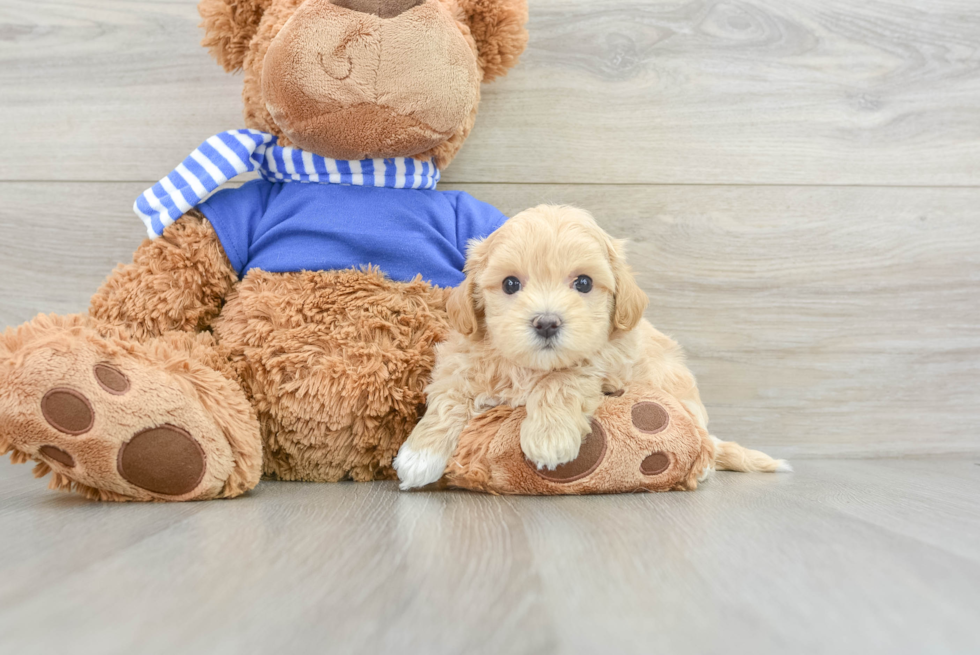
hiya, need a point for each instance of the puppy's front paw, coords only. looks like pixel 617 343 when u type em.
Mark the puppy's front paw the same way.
pixel 548 445
pixel 417 468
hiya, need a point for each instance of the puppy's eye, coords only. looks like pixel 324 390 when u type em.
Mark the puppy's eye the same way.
pixel 511 285
pixel 583 284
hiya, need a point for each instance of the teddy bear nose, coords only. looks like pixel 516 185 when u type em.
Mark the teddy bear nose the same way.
pixel 380 8
pixel 546 325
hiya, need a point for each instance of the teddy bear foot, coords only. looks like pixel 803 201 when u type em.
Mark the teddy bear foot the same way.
pixel 113 419
pixel 641 440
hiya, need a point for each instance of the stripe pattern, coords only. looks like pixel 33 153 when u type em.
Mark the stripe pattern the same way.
pixel 226 155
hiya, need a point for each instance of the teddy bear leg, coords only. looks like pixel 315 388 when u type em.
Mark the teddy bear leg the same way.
pixel 335 363
pixel 641 440
pixel 117 419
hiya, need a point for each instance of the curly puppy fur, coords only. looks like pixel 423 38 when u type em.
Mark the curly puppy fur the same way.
pixel 497 357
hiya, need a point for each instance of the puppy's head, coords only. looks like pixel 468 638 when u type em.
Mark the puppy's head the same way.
pixel 547 290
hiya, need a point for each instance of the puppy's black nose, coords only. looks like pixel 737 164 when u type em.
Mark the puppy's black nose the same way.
pixel 546 325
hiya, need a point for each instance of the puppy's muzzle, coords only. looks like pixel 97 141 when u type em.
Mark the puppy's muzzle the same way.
pixel 546 325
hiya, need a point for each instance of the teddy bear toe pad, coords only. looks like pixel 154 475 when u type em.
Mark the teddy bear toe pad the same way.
pixel 650 417
pixel 56 454
pixel 67 411
pixel 655 463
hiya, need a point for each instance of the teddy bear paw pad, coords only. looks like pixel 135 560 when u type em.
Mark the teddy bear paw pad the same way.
pixel 590 455
pixel 164 460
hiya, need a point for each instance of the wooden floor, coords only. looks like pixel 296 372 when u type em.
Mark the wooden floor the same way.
pixel 840 557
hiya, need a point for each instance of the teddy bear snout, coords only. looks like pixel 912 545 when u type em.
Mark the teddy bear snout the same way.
pixel 380 8
pixel 353 85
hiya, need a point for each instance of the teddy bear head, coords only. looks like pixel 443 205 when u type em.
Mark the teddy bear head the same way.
pixel 358 79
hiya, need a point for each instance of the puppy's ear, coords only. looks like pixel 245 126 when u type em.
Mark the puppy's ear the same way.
pixel 465 307
pixel 462 309
pixel 629 301
pixel 229 26
pixel 497 27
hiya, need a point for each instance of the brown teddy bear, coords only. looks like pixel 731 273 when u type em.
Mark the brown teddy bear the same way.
pixel 249 336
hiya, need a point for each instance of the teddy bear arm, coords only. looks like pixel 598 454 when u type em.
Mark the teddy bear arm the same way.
pixel 176 282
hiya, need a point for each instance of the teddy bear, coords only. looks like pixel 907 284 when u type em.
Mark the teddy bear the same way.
pixel 283 328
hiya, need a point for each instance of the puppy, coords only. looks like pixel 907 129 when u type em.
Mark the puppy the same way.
pixel 549 317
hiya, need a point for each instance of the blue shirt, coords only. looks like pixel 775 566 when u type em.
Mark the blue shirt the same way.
pixel 288 227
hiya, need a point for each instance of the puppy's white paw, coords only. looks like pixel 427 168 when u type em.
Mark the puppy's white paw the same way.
pixel 548 446
pixel 417 468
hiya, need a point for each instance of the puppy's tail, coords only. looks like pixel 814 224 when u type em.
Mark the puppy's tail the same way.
pixel 729 456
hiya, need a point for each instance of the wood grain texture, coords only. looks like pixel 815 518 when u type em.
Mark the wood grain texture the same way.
pixel 609 91
pixel 826 560
pixel 820 321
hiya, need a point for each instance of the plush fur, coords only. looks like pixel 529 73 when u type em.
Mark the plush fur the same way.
pixel 497 357
pixel 497 28
pixel 335 364
pixel 307 376
pixel 177 282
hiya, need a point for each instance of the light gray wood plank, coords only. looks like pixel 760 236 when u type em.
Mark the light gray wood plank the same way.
pixel 801 91
pixel 919 498
pixel 744 565
pixel 59 241
pixel 820 321
pixel 338 568
pixel 747 562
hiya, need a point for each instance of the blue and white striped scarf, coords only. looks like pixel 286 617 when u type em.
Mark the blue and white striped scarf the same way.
pixel 232 153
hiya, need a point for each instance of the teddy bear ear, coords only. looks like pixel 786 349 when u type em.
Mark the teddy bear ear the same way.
pixel 229 26
pixel 497 27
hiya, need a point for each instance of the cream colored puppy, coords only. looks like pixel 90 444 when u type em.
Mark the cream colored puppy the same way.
pixel 549 317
